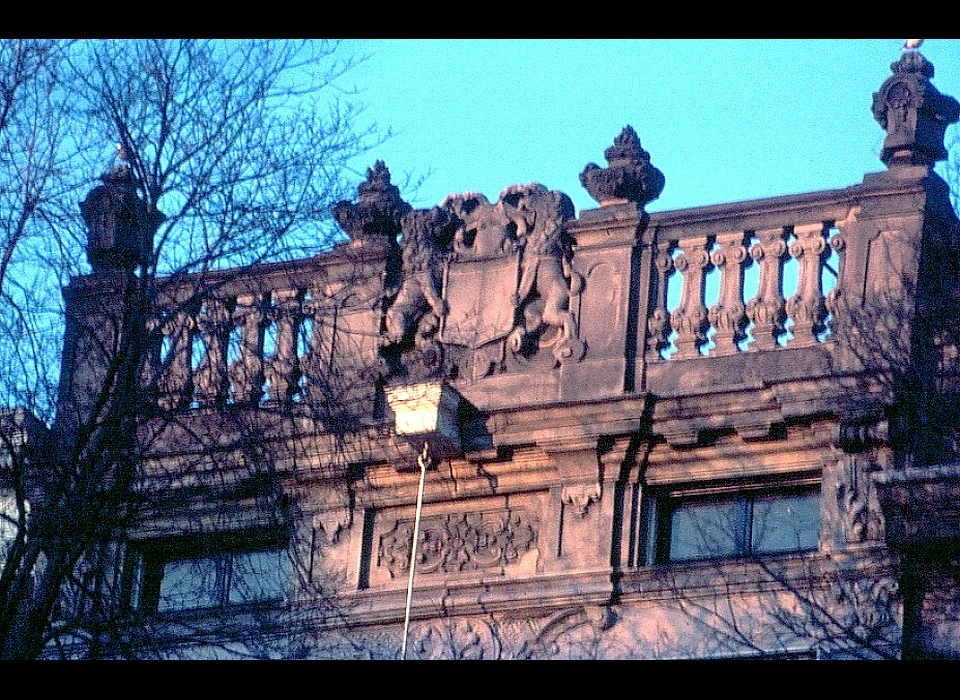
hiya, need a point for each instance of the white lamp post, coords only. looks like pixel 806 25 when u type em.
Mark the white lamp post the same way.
pixel 426 415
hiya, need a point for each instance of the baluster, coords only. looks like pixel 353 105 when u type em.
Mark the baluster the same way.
pixel 834 301
pixel 658 326
pixel 246 373
pixel 806 307
pixel 176 385
pixel 211 381
pixel 316 364
pixel 282 370
pixel 729 315
pixel 690 317
pixel 766 309
pixel 151 370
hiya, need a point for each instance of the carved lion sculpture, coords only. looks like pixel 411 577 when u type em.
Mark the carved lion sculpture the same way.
pixel 426 237
pixel 539 215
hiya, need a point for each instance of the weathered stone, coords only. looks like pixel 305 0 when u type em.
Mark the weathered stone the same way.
pixel 614 466
pixel 377 214
pixel 120 225
pixel 629 176
pixel 914 113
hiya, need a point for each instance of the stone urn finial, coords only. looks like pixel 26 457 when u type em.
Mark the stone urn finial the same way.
pixel 377 214
pixel 913 112
pixel 120 225
pixel 629 176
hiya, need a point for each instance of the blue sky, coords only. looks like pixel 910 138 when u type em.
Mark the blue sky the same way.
pixel 725 120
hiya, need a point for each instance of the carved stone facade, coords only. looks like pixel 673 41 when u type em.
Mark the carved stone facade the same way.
pixel 484 288
pixel 621 469
pixel 461 542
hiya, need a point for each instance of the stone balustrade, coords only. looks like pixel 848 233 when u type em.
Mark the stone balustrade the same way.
pixel 721 282
pixel 266 335
pixel 733 322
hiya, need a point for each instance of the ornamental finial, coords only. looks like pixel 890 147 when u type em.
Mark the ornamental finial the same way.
pixel 913 112
pixel 629 176
pixel 377 214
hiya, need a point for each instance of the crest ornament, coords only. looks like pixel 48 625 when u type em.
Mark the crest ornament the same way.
pixel 484 231
pixel 484 286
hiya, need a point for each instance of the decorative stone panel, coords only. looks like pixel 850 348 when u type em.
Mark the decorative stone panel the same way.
pixel 455 542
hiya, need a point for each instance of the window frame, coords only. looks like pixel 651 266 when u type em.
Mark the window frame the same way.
pixel 661 505
pixel 10 520
pixel 146 565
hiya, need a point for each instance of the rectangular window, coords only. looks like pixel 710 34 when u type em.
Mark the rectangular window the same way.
pixel 190 574
pixel 687 527
pixel 9 520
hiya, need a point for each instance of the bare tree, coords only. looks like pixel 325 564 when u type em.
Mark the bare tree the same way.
pixel 38 151
pixel 228 154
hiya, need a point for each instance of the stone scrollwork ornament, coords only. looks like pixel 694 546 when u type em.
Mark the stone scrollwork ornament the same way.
pixel 490 540
pixel 580 497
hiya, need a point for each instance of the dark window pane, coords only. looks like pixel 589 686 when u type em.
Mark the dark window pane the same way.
pixel 705 530
pixel 786 523
pixel 258 576
pixel 9 517
pixel 190 583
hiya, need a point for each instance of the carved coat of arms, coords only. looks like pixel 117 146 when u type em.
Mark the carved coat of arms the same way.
pixel 496 288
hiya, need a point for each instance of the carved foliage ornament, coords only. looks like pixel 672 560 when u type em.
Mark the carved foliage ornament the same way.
pixel 860 518
pixel 659 328
pixel 458 639
pixel 511 638
pixel 864 609
pixel 459 542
